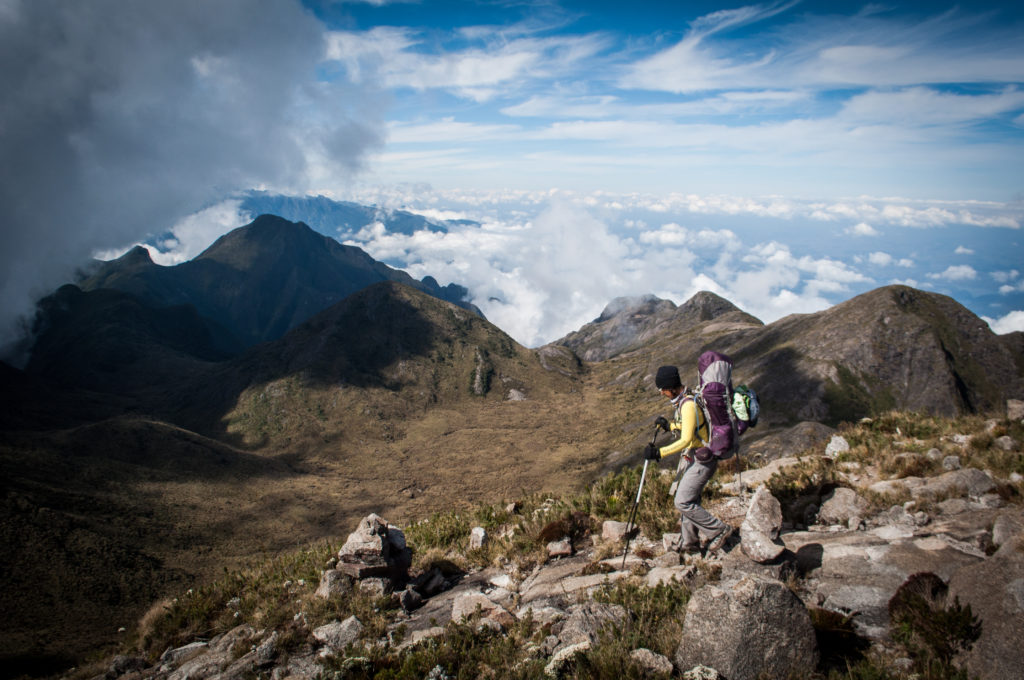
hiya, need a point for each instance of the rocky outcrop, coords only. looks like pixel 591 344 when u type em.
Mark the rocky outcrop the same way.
pixel 994 589
pixel 751 628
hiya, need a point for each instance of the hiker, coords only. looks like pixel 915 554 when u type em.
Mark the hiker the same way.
pixel 694 519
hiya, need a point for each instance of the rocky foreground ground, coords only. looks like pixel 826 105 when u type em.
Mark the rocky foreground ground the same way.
pixel 750 609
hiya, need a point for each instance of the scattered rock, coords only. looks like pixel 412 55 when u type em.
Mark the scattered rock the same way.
pixel 934 455
pixel 410 599
pixel 429 583
pixel 559 659
pixel 338 635
pixel 755 478
pixel 969 481
pixel 1006 443
pixel 761 527
pixel 477 538
pixel 126 664
pixel 1005 528
pixel 562 548
pixel 333 582
pixel 614 531
pixel 174 657
pixel 1014 409
pixel 836 446
pixel 951 463
pixel 470 604
pixel 651 662
pixel 751 628
pixel 840 506
pixel 587 620
pixel 376 586
pixel 701 673
pixel 660 575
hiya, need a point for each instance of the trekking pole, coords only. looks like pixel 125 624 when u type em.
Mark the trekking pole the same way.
pixel 636 503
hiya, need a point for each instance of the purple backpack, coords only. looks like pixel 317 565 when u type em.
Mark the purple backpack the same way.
pixel 714 396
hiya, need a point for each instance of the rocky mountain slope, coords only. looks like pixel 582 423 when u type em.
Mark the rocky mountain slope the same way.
pixel 260 280
pixel 843 566
pixel 180 446
pixel 894 347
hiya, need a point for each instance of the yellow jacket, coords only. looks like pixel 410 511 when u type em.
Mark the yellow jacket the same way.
pixel 684 425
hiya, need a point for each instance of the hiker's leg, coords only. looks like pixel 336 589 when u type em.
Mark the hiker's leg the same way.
pixel 695 518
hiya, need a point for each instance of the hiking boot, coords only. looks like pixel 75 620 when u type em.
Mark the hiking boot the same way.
pixel 688 550
pixel 719 539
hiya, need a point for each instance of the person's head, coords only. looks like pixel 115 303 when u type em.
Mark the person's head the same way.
pixel 667 380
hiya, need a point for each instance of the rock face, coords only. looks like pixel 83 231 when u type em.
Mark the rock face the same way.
pixel 995 591
pixel 751 628
pixel 761 527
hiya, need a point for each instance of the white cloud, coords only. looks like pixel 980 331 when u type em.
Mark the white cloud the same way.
pixel 863 229
pixel 1005 277
pixel 553 268
pixel 963 272
pixel 926 106
pixel 871 49
pixel 880 258
pixel 405 58
pixel 1014 321
pixel 963 250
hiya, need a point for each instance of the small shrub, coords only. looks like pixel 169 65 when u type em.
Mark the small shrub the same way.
pixel 933 630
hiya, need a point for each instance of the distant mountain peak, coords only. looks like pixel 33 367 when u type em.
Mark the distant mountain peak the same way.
pixel 631 305
pixel 705 306
pixel 138 255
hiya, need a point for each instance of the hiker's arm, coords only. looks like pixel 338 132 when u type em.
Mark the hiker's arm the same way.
pixel 687 430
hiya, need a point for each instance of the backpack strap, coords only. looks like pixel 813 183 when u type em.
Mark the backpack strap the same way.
pixel 698 407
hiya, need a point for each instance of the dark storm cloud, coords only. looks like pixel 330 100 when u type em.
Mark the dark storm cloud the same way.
pixel 118 117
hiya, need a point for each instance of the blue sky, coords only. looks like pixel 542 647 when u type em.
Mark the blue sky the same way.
pixel 785 155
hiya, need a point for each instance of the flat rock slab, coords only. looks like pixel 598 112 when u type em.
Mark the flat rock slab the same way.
pixel 437 610
pixel 858 572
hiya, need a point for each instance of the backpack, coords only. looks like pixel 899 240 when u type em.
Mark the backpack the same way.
pixel 717 401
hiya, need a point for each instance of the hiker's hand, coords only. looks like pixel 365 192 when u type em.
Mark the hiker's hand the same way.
pixel 652 453
pixel 662 423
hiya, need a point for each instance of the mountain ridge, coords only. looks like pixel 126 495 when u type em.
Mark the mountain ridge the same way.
pixel 259 280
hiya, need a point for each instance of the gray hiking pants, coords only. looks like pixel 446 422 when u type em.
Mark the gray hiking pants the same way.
pixel 693 517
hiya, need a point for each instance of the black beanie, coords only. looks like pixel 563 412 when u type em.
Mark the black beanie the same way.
pixel 667 378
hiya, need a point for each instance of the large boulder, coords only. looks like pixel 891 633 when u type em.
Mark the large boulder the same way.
pixel 751 628
pixel 994 589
